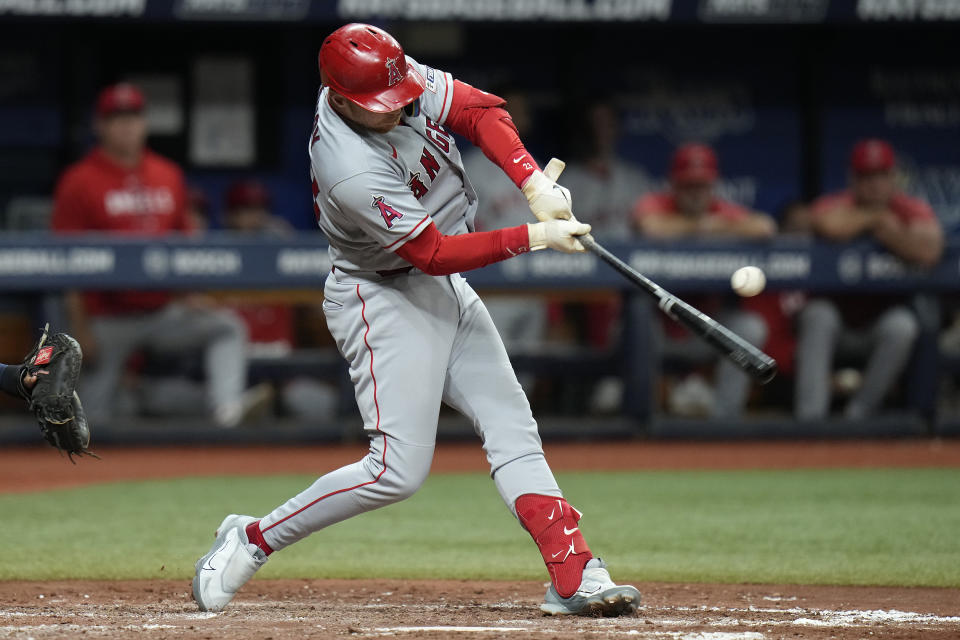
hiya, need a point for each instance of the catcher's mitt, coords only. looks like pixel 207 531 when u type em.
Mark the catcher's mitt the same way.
pixel 55 361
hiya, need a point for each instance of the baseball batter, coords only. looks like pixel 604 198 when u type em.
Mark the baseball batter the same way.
pixel 391 195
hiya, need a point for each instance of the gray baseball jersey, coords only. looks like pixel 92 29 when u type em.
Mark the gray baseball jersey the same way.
pixel 413 341
pixel 375 191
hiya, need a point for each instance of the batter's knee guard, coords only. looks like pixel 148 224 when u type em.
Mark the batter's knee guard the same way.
pixel 552 523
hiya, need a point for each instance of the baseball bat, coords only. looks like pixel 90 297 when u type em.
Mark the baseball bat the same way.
pixel 730 345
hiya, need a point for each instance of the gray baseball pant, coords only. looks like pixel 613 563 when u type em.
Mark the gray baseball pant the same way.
pixel 412 342
pixel 888 344
pixel 219 334
pixel 732 385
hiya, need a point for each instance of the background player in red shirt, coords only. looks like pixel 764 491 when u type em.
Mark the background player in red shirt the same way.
pixel 690 207
pixel 122 187
pixel 881 328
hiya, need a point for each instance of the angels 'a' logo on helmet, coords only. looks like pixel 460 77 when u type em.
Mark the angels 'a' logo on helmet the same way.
pixel 393 72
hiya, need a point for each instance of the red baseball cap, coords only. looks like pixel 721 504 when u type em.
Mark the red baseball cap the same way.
pixel 694 163
pixel 248 193
pixel 120 98
pixel 872 156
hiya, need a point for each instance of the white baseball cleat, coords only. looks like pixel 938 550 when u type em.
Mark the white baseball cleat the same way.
pixel 597 595
pixel 230 563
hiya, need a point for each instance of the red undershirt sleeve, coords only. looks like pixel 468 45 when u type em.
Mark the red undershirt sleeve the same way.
pixel 480 118
pixel 438 255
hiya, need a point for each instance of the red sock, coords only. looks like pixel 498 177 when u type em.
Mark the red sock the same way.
pixel 255 537
pixel 553 524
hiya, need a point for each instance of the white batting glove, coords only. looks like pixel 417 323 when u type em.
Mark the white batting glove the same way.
pixel 557 234
pixel 547 199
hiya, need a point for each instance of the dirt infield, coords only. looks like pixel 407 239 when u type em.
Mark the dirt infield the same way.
pixel 293 609
pixel 39 468
pixel 288 609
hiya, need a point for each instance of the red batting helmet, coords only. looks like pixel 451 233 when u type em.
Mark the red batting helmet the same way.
pixel 366 65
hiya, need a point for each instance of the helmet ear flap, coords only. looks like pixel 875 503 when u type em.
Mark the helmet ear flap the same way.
pixel 412 110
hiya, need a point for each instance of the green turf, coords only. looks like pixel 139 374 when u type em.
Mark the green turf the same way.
pixel 884 527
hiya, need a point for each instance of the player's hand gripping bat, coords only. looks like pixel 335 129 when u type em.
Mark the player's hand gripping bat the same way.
pixel 731 346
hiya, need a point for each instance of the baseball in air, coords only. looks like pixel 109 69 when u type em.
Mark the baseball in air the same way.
pixel 748 281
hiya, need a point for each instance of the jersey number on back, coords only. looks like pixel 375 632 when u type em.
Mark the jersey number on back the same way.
pixel 388 213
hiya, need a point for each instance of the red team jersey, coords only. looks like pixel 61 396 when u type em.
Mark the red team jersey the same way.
pixel 907 209
pixel 96 194
pixel 661 203
pixel 859 310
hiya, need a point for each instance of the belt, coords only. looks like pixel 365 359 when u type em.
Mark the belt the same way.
pixel 394 272
pixel 384 273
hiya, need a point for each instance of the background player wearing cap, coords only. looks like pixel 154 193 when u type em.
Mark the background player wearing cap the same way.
pixel 123 187
pixel 391 195
pixel 690 207
pixel 882 329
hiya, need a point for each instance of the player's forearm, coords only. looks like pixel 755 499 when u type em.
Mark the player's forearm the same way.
pixel 920 245
pixel 666 226
pixel 439 255
pixel 841 225
pixel 480 118
pixel 756 226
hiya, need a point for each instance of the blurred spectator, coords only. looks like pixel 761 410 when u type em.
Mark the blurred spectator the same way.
pixel 198 210
pixel 796 220
pixel 521 320
pixel 271 326
pixel 124 188
pixel 248 210
pixel 880 328
pixel 603 185
pixel 691 208
pixel 779 309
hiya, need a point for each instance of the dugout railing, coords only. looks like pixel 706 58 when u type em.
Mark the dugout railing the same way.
pixel 34 268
